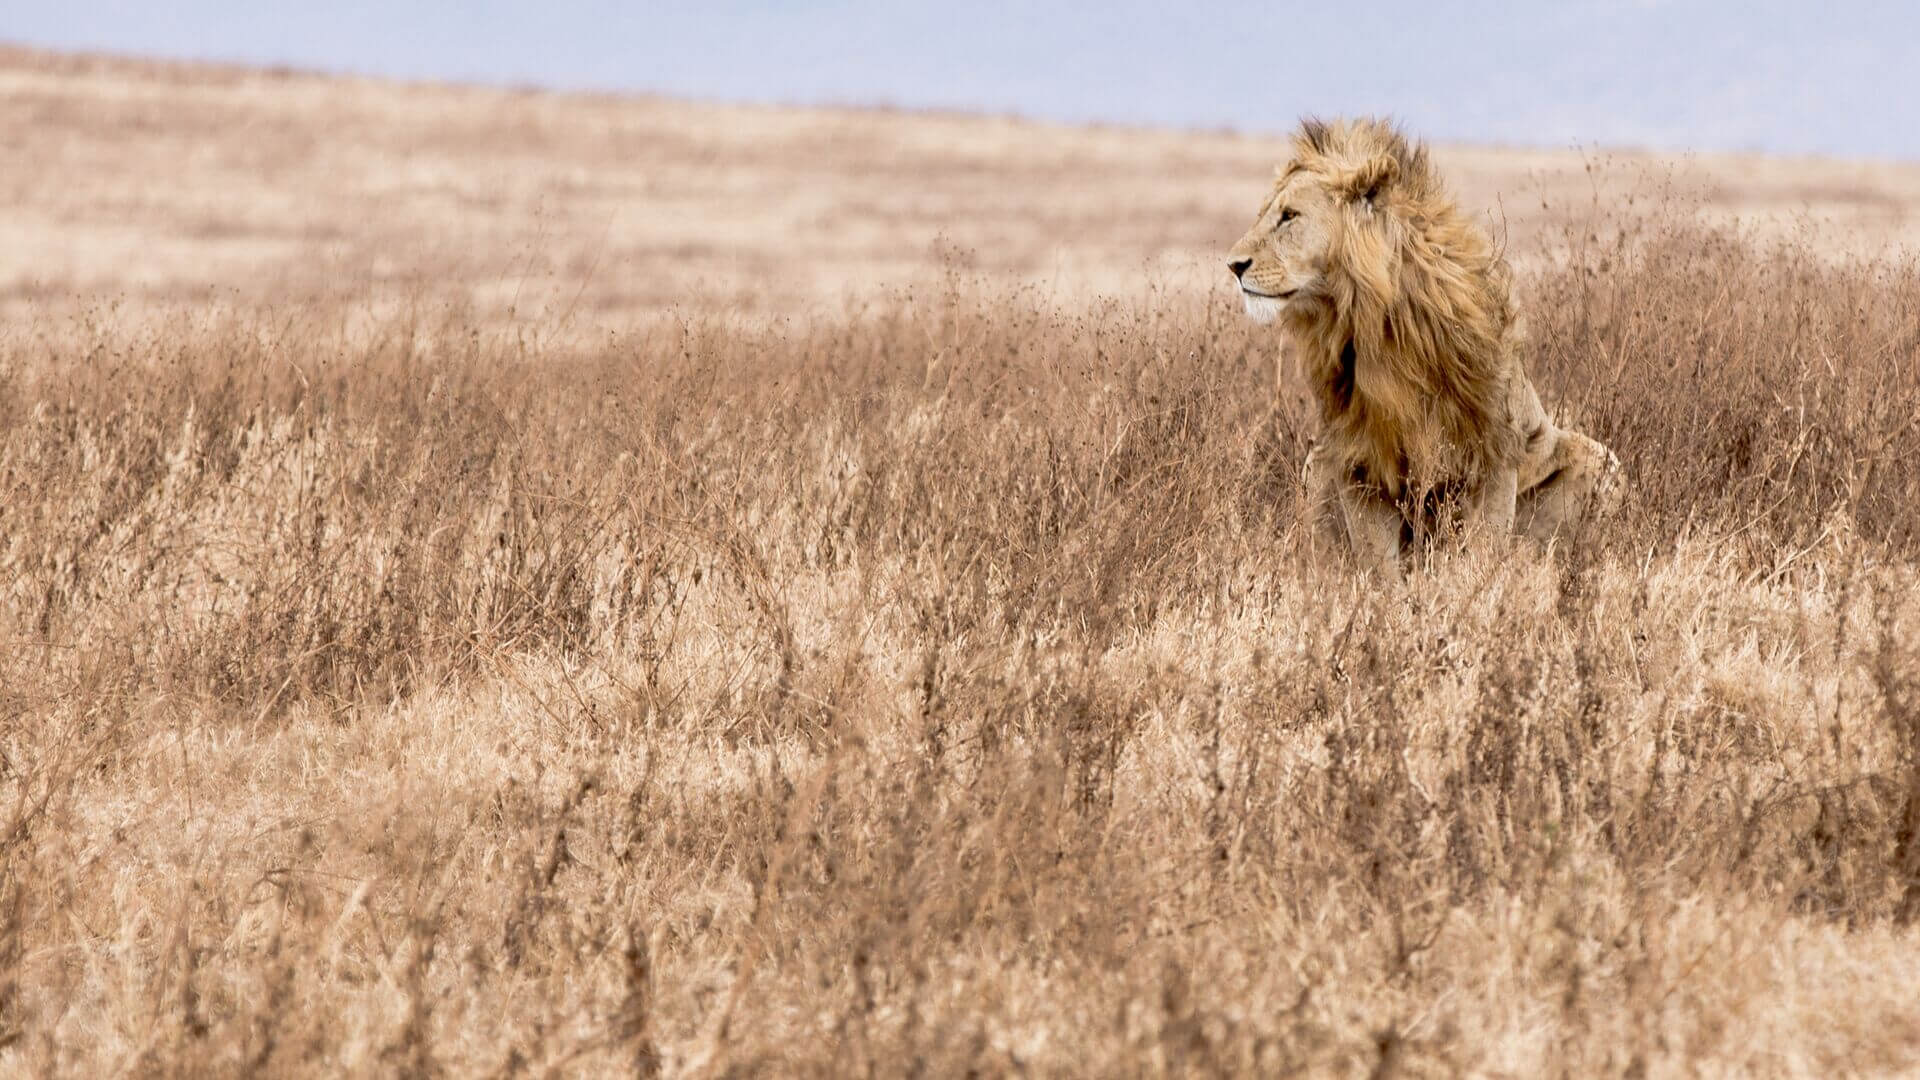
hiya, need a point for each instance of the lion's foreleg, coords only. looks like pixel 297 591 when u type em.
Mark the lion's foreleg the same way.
pixel 1320 491
pixel 1373 528
pixel 1493 505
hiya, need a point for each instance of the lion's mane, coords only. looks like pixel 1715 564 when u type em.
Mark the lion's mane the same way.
pixel 1413 346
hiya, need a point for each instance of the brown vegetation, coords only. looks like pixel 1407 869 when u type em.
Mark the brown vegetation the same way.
pixel 943 686
pixel 156 184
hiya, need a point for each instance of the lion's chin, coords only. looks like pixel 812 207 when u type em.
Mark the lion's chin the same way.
pixel 1263 309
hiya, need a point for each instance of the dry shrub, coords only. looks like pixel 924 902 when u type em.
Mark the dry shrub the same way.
pixel 1759 389
pixel 946 688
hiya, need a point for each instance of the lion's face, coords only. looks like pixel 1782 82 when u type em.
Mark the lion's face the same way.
pixel 1282 261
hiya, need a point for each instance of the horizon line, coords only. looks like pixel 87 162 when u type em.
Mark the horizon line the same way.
pixel 315 71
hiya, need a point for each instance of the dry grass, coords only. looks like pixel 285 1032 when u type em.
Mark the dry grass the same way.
pixel 946 687
pixel 161 184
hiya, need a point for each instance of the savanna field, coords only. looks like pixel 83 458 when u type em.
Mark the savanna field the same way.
pixel 501 583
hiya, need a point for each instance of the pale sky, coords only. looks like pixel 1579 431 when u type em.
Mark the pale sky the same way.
pixel 1789 76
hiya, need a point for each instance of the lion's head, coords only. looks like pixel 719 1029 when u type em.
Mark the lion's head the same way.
pixel 1397 304
pixel 1284 257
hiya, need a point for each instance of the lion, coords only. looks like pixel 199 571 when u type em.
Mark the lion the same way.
pixel 1401 314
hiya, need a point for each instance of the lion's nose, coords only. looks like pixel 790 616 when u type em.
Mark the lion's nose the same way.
pixel 1239 266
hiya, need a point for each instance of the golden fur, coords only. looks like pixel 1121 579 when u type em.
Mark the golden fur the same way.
pixel 1400 309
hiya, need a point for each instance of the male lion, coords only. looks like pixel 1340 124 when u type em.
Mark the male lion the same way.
pixel 1400 311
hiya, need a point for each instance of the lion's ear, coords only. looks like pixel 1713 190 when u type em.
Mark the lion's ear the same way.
pixel 1365 183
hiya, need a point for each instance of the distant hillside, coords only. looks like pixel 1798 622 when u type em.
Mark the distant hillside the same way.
pixel 161 184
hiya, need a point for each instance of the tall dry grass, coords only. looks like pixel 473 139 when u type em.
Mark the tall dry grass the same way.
pixel 946 689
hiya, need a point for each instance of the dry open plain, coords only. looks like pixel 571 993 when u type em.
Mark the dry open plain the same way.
pixel 164 184
pixel 508 583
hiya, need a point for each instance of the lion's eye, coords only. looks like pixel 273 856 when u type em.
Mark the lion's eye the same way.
pixel 1288 215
